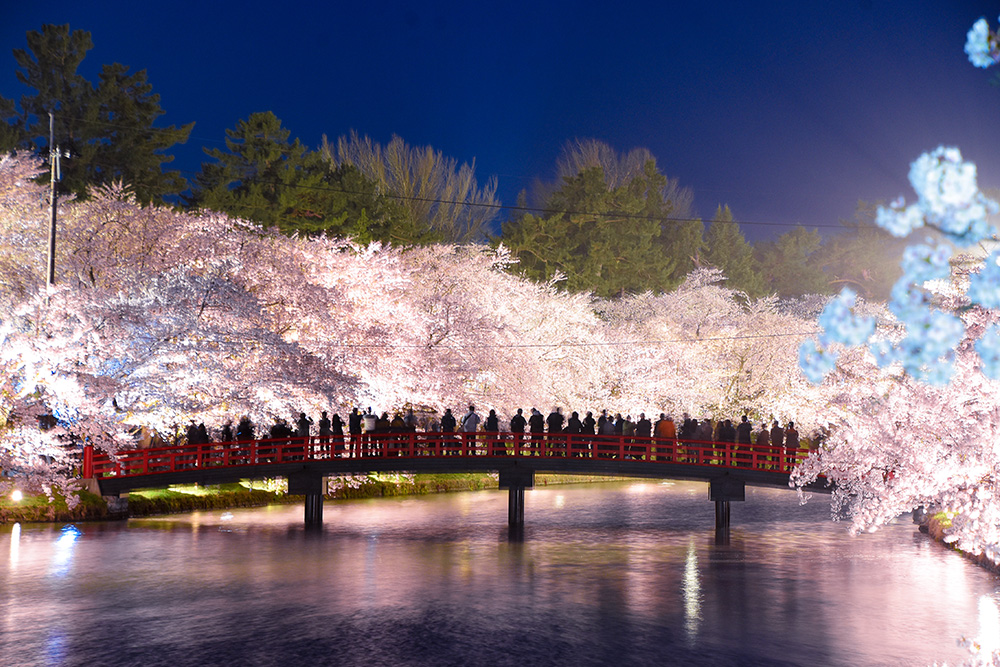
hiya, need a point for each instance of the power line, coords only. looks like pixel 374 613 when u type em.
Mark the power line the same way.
pixel 594 344
pixel 497 206
pixel 392 346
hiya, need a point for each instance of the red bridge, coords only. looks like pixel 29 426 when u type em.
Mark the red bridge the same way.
pixel 728 467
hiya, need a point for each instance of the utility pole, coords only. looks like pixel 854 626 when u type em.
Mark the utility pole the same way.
pixel 53 176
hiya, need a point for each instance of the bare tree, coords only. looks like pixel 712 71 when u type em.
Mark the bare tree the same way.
pixel 436 191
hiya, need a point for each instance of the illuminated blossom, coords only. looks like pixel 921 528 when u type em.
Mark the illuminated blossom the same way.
pixel 980 45
pixel 840 323
pixel 816 362
pixel 984 286
pixel 988 347
pixel 160 317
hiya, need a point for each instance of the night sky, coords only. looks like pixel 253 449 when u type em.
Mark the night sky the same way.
pixel 787 111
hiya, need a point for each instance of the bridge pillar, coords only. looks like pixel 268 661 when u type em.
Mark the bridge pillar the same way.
pixel 722 490
pixel 516 480
pixel 309 484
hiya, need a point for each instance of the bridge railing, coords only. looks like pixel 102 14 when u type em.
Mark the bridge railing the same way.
pixel 441 445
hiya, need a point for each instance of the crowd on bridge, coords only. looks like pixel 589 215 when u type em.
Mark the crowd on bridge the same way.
pixel 359 423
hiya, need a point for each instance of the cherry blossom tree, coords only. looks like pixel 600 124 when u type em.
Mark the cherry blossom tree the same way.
pixel 160 317
pixel 914 390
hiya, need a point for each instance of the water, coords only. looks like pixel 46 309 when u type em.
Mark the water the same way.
pixel 620 574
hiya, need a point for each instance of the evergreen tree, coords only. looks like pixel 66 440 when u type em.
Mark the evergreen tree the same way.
pixel 727 249
pixel 11 132
pixel 864 257
pixel 682 244
pixel 107 131
pixel 604 240
pixel 790 265
pixel 264 176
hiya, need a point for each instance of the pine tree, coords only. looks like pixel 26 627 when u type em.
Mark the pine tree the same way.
pixel 266 177
pixel 727 249
pixel 790 265
pixel 603 240
pixel 107 131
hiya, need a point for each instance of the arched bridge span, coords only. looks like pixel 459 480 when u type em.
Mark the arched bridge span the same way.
pixel 305 462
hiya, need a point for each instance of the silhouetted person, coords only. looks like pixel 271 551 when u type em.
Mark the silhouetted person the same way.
pixel 518 422
pixel 572 430
pixel 573 424
pixel 244 430
pixel 279 429
pixel 192 433
pixel 777 435
pixel 492 426
pixel 448 422
pixel 517 426
pixel 589 424
pixel 643 427
pixel 397 425
pixel 602 423
pixel 777 439
pixel 743 431
pixel 354 429
pixel 303 424
pixel 227 431
pixel 763 437
pixel 337 432
pixel 492 423
pixel 605 424
pixel 536 425
pixel 727 432
pixel 555 420
pixel 791 443
pixel 324 425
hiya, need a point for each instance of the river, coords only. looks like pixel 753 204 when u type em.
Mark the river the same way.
pixel 607 574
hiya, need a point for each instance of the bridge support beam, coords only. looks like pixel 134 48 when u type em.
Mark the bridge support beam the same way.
pixel 516 480
pixel 723 490
pixel 309 484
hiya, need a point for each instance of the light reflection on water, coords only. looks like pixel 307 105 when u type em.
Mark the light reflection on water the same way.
pixel 606 574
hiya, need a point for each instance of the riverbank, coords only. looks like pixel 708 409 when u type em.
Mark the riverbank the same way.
pixel 91 507
pixel 935 526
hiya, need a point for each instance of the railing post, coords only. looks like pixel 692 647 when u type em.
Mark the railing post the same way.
pixel 88 462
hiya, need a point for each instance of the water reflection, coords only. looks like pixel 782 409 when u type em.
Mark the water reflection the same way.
pixel 62 554
pixel 15 546
pixel 989 625
pixel 692 594
pixel 610 574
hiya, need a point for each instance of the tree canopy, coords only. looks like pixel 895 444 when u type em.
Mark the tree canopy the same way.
pixel 434 192
pixel 107 130
pixel 790 265
pixel 727 249
pixel 616 226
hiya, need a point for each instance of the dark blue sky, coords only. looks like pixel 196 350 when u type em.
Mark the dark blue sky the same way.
pixel 787 111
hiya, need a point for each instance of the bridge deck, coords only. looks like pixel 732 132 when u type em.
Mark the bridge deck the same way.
pixel 216 463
